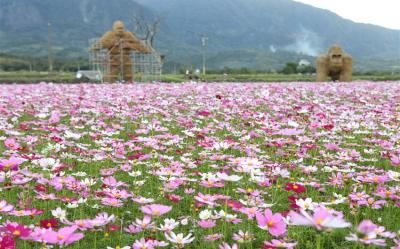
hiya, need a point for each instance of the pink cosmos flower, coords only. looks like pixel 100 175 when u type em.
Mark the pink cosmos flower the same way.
pixel 5 207
pixel 279 244
pixel 397 244
pixel 395 160
pixel 111 202
pixel 133 229
pixel 11 144
pixel 141 224
pixel 142 243
pixel 369 236
pixel 321 219
pixel 372 203
pixel 227 246
pixel 112 182
pixel 26 212
pixel 212 183
pixel 358 196
pixel 243 237
pixel 213 237
pixel 64 236
pixel 206 223
pixel 155 209
pixel 102 219
pixel 250 212
pixel 55 117
pixel 274 223
pixel 82 225
pixel 10 164
pixel 206 199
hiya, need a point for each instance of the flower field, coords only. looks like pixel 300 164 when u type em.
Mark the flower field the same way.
pixel 295 165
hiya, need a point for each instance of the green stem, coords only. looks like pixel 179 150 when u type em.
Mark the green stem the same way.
pixel 318 241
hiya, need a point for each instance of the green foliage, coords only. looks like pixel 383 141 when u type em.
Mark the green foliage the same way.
pixel 290 68
pixel 12 63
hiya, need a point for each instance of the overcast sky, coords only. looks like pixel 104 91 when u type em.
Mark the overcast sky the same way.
pixel 384 13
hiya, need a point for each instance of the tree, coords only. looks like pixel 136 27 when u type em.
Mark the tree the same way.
pixel 290 68
pixel 146 29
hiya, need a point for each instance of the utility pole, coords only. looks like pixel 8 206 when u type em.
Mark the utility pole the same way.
pixel 49 47
pixel 204 40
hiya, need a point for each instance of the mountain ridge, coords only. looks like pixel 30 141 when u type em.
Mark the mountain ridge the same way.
pixel 269 27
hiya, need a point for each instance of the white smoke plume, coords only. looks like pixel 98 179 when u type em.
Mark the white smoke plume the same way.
pixel 306 42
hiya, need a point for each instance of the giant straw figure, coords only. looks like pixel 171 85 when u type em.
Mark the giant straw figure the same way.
pixel 119 44
pixel 336 64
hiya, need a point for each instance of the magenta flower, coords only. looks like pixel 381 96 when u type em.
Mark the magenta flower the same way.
pixel 274 223
pixel 155 209
pixel 18 231
pixel 321 219
pixel 64 236
pixel 7 242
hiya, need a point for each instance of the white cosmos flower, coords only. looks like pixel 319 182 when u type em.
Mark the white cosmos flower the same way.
pixel 46 163
pixel 189 133
pixel 231 178
pixel 88 182
pixel 170 224
pixel 306 204
pixel 293 124
pixel 42 115
pixel 219 215
pixel 135 173
pixel 185 221
pixel 72 205
pixel 395 176
pixel 221 146
pixel 353 125
pixel 81 174
pixel 70 134
pixel 284 173
pixel 205 214
pixel 179 239
pixel 59 213
pixel 208 175
pixel 328 169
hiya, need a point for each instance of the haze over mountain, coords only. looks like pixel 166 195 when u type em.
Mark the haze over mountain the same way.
pixel 262 34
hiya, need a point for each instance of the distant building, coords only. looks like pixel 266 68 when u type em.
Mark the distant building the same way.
pixel 303 63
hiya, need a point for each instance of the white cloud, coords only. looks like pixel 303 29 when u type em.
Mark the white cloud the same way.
pixel 379 12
